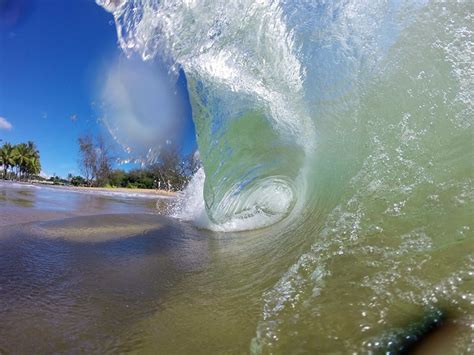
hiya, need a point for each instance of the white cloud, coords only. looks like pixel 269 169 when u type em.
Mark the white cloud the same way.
pixel 4 124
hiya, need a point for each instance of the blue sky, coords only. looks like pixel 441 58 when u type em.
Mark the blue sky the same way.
pixel 54 56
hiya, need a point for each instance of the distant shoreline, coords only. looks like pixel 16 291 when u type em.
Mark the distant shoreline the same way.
pixel 108 190
pixel 153 192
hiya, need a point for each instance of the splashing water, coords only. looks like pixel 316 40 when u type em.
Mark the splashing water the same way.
pixel 350 124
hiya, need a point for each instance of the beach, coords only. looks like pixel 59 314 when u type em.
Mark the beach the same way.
pixel 25 202
pixel 120 190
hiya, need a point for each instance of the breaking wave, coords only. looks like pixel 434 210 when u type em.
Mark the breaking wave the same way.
pixel 345 124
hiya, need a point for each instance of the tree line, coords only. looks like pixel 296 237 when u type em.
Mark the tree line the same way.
pixel 170 172
pixel 19 161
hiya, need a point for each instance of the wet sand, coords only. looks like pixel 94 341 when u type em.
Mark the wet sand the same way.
pixel 120 190
pixel 24 203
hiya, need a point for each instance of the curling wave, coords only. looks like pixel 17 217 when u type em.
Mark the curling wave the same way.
pixel 247 95
pixel 348 127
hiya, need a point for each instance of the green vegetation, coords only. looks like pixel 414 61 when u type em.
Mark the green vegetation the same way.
pixel 19 162
pixel 170 172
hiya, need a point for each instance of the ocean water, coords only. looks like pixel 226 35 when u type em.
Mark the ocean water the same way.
pixel 334 209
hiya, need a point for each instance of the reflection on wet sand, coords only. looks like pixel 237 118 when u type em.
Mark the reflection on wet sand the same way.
pixel 98 228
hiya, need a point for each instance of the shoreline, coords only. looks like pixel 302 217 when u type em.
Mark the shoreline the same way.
pixel 27 202
pixel 107 190
pixel 119 190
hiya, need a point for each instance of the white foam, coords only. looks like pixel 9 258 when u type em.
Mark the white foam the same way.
pixel 266 203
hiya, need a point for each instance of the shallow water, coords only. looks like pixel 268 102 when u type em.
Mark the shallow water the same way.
pixel 81 284
pixel 147 283
pixel 21 203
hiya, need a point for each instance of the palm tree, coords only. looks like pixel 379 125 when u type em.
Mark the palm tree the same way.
pixel 32 148
pixel 7 158
pixel 1 158
pixel 22 156
pixel 34 166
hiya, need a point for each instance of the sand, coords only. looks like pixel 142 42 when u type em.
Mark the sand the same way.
pixel 152 192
